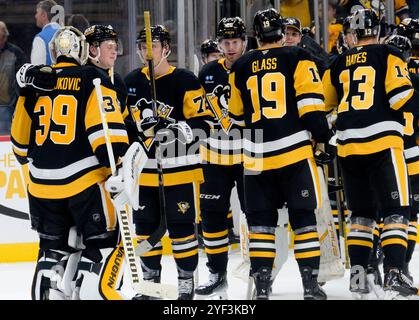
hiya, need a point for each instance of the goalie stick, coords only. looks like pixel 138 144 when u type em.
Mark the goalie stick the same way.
pixel 155 237
pixel 158 290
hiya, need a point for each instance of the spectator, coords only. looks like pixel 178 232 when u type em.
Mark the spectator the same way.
pixel 299 9
pixel 78 21
pixel 11 59
pixel 40 47
pixel 292 31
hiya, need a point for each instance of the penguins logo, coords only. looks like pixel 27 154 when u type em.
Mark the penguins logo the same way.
pixel 183 207
pixel 219 97
pixel 144 108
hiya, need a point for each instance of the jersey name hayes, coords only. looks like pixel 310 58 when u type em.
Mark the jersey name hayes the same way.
pixel 68 83
pixel 356 58
pixel 264 64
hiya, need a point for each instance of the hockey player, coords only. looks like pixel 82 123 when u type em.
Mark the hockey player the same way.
pixel 59 132
pixel 181 106
pixel 104 47
pixel 210 51
pixel 277 93
pixel 222 156
pixel 370 86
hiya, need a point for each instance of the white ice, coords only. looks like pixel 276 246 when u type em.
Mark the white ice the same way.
pixel 16 279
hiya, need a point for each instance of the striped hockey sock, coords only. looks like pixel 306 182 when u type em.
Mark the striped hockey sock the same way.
pixel 394 240
pixel 261 247
pixel 307 247
pixel 360 240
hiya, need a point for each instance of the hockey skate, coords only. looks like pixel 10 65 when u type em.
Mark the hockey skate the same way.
pixel 186 288
pixel 397 287
pixel 262 280
pixel 375 282
pixel 215 288
pixel 312 289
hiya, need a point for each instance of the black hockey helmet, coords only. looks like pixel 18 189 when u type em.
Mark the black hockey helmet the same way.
pixel 231 28
pixel 409 28
pixel 158 33
pixel 98 33
pixel 402 43
pixel 365 23
pixel 291 22
pixel 268 25
pixel 209 46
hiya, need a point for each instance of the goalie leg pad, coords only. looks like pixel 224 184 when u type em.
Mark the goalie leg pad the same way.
pixel 101 280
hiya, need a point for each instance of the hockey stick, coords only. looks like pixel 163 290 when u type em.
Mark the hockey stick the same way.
pixel 155 237
pixel 341 214
pixel 143 287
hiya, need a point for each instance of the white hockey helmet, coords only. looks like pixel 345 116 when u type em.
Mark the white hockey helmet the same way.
pixel 69 41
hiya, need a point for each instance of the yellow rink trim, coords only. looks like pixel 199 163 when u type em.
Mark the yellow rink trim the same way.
pixel 28 252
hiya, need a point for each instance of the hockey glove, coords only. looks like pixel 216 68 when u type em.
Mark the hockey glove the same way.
pixel 176 131
pixel 150 125
pixel 41 78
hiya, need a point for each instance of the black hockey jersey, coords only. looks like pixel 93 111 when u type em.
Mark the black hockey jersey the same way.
pixel 368 84
pixel 277 94
pixel 180 97
pixel 220 148
pixel 61 133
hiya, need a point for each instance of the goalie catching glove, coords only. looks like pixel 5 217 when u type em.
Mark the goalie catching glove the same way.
pixel 41 78
pixel 124 186
pixel 164 130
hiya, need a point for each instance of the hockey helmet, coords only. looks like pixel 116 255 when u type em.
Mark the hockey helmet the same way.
pixel 231 28
pixel 209 46
pixel 409 28
pixel 268 25
pixel 158 33
pixel 402 43
pixel 96 34
pixel 69 42
pixel 364 23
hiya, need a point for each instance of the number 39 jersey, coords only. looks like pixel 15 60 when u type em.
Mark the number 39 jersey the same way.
pixel 277 94
pixel 60 133
pixel 369 84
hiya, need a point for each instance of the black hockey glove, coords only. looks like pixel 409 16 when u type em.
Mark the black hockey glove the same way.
pixel 150 125
pixel 175 131
pixel 40 78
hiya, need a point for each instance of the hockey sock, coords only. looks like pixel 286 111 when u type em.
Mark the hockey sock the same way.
pixel 373 257
pixel 394 240
pixel 230 222
pixel 185 252
pixel 307 247
pixel 360 240
pixel 411 239
pixel 216 246
pixel 262 248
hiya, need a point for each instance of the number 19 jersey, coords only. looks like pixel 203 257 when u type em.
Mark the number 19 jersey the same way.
pixel 277 94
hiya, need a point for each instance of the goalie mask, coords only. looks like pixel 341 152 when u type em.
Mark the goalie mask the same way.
pixel 69 42
pixel 96 34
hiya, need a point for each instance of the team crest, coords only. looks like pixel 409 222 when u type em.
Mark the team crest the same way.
pixel 218 97
pixel 183 206
pixel 143 109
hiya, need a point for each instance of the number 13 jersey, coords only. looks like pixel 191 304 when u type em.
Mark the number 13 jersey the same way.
pixel 369 84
